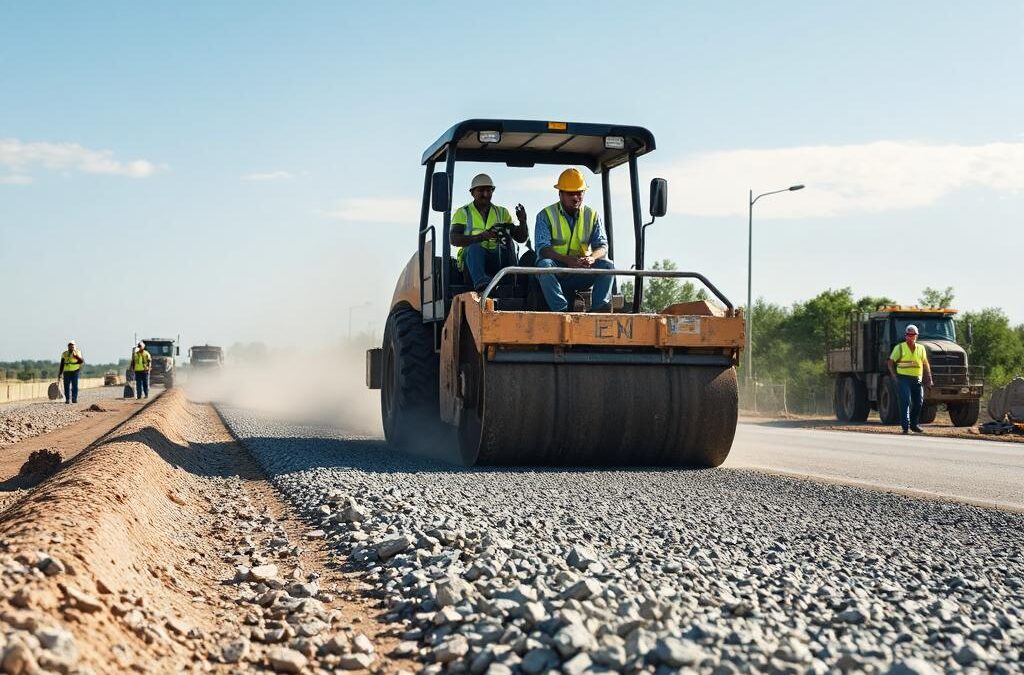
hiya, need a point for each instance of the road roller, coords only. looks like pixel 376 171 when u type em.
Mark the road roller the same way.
pixel 490 376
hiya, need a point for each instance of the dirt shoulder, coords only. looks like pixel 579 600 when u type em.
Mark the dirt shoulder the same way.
pixel 163 549
pixel 941 427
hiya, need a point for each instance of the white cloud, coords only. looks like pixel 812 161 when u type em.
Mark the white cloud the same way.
pixel 270 175
pixel 20 157
pixel 15 179
pixel 376 210
pixel 840 179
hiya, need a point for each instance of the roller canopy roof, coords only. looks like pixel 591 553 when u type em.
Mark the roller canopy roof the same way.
pixel 526 143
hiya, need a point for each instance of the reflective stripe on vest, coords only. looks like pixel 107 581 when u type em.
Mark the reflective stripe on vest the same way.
pixel 910 362
pixel 70 365
pixel 575 239
pixel 139 361
pixel 475 224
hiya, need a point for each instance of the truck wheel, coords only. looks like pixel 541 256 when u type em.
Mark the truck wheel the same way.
pixel 410 380
pixel 928 413
pixel 851 400
pixel 964 413
pixel 888 401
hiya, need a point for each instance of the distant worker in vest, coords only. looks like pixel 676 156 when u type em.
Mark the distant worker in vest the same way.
pixel 907 364
pixel 142 363
pixel 474 230
pixel 569 234
pixel 70 366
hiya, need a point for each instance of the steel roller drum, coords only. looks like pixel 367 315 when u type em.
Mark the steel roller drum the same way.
pixel 613 414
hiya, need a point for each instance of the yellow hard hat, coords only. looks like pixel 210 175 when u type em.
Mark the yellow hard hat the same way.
pixel 571 180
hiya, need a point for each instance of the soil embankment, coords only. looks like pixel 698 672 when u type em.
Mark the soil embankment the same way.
pixel 163 549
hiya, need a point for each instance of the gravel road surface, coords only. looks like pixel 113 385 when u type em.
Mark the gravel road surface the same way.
pixel 711 571
pixel 26 419
pixel 985 473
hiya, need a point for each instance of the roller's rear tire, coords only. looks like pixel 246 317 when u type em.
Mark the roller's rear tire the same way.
pixel 964 413
pixel 409 387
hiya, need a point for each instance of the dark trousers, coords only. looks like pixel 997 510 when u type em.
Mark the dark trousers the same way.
pixel 911 398
pixel 141 384
pixel 71 386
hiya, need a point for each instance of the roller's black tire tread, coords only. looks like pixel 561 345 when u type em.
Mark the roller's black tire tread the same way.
pixel 416 401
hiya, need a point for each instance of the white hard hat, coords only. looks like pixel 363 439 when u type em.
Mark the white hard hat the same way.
pixel 141 344
pixel 912 329
pixel 71 342
pixel 481 180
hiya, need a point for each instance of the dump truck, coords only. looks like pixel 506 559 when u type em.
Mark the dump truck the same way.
pixel 499 380
pixel 205 357
pixel 163 351
pixel 862 380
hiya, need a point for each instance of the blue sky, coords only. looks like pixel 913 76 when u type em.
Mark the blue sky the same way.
pixel 249 170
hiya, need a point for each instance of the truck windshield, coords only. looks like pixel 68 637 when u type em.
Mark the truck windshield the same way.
pixel 157 349
pixel 930 329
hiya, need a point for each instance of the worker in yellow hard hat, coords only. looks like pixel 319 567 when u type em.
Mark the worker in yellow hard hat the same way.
pixel 569 234
pixel 70 366
pixel 479 246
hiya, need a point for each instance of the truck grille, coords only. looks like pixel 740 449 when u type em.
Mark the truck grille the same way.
pixel 948 369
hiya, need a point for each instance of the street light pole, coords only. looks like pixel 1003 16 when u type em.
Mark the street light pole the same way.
pixel 750 275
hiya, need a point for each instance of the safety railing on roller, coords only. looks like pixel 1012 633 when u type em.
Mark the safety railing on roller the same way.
pixel 661 274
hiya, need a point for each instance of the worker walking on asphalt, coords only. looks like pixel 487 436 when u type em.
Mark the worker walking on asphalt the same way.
pixel 479 246
pixel 569 234
pixel 142 363
pixel 907 364
pixel 70 365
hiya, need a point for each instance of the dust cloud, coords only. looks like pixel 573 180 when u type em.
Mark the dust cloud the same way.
pixel 325 386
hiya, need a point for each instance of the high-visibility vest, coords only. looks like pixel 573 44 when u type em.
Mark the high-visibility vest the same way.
pixel 571 239
pixel 70 364
pixel 909 362
pixel 475 224
pixel 140 361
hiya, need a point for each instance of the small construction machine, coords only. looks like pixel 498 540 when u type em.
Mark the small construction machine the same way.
pixel 205 357
pixel 862 380
pixel 502 381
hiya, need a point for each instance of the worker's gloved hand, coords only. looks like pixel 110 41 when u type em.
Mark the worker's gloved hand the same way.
pixel 521 214
pixel 488 234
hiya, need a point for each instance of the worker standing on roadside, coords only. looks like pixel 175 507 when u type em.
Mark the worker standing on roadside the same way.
pixel 70 365
pixel 569 234
pixel 478 250
pixel 907 364
pixel 142 363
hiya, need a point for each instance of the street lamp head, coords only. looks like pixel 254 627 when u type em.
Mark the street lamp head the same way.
pixel 796 187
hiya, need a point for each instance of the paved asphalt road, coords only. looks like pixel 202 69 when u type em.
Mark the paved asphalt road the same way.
pixel 981 472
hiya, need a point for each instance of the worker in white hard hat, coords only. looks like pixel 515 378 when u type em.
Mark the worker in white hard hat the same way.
pixel 142 364
pixel 908 363
pixel 476 230
pixel 569 234
pixel 70 366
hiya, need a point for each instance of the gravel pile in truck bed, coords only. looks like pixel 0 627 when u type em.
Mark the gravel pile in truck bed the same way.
pixel 654 571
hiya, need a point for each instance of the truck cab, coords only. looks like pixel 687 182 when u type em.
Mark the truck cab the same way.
pixel 163 351
pixel 205 357
pixel 860 368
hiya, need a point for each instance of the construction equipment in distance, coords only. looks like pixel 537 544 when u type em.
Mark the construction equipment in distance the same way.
pixel 162 351
pixel 862 380
pixel 205 357
pixel 481 374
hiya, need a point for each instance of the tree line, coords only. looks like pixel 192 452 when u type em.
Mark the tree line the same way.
pixel 28 370
pixel 790 342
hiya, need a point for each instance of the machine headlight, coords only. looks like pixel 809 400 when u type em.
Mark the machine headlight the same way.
pixel 489 136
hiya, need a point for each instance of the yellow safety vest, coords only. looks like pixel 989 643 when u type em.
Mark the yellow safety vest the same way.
pixel 909 362
pixel 140 361
pixel 70 365
pixel 475 224
pixel 571 239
